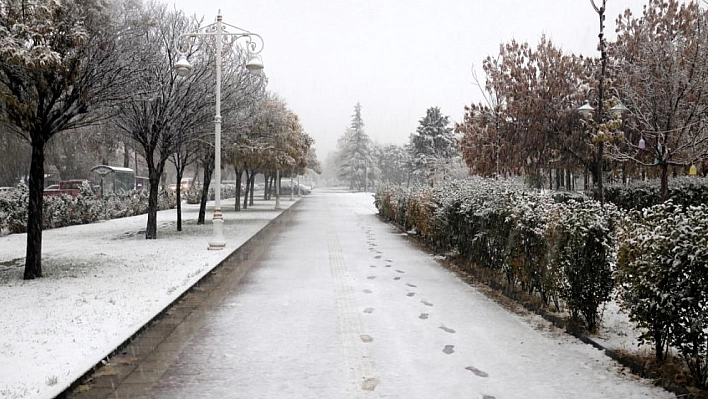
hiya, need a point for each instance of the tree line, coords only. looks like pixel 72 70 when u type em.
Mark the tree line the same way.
pixel 427 158
pixel 647 92
pixel 92 80
pixel 655 74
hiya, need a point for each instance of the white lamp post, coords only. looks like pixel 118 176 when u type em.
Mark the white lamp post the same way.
pixel 254 45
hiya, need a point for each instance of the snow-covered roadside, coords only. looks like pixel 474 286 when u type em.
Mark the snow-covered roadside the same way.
pixel 102 283
pixel 618 333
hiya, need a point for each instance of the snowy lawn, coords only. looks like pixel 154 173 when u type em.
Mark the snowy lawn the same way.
pixel 102 282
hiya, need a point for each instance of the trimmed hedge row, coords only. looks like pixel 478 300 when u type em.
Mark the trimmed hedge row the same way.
pixel 685 190
pixel 562 251
pixel 663 275
pixel 66 210
pixel 576 252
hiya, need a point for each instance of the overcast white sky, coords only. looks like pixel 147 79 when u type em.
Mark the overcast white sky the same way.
pixel 396 57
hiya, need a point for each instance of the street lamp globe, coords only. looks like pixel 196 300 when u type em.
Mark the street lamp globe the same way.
pixel 619 108
pixel 586 109
pixel 255 65
pixel 182 66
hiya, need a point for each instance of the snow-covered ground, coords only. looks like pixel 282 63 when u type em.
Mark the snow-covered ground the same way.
pixel 102 282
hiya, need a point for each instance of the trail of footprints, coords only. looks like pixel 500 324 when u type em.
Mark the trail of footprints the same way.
pixel 448 349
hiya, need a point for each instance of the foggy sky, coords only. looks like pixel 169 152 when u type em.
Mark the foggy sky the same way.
pixel 397 58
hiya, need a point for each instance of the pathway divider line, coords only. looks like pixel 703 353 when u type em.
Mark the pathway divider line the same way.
pixel 361 369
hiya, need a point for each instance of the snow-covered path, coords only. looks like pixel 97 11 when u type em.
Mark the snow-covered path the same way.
pixel 343 306
pixel 102 282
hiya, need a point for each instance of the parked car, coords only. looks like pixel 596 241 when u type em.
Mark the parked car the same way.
pixel 68 187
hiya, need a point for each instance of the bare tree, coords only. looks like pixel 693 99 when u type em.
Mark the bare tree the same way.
pixel 163 107
pixel 662 74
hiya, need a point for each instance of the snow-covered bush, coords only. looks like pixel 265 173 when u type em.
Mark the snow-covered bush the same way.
pixel 528 244
pixel 663 275
pixel 13 217
pixel 535 243
pixel 583 248
pixel 687 190
pixel 65 210
pixel 194 194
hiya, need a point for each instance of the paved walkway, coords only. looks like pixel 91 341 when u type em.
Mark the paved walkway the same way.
pixel 341 305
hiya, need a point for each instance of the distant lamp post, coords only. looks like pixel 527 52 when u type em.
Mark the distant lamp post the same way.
pixel 586 109
pixel 222 40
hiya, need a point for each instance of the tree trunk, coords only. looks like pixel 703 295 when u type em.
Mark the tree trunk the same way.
pixel 126 155
pixel 33 255
pixel 664 181
pixel 237 202
pixel 248 188
pixel 154 174
pixel 600 195
pixel 253 185
pixel 178 193
pixel 268 186
pixel 208 169
pixel 205 195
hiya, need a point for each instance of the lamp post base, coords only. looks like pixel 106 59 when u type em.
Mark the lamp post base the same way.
pixel 217 242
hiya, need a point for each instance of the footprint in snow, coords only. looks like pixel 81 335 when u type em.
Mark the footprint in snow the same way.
pixel 477 371
pixel 366 338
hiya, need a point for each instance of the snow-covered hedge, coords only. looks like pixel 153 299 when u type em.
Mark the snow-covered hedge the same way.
pixel 194 195
pixel 66 210
pixel 663 279
pixel 558 250
pixel 573 251
pixel 686 191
